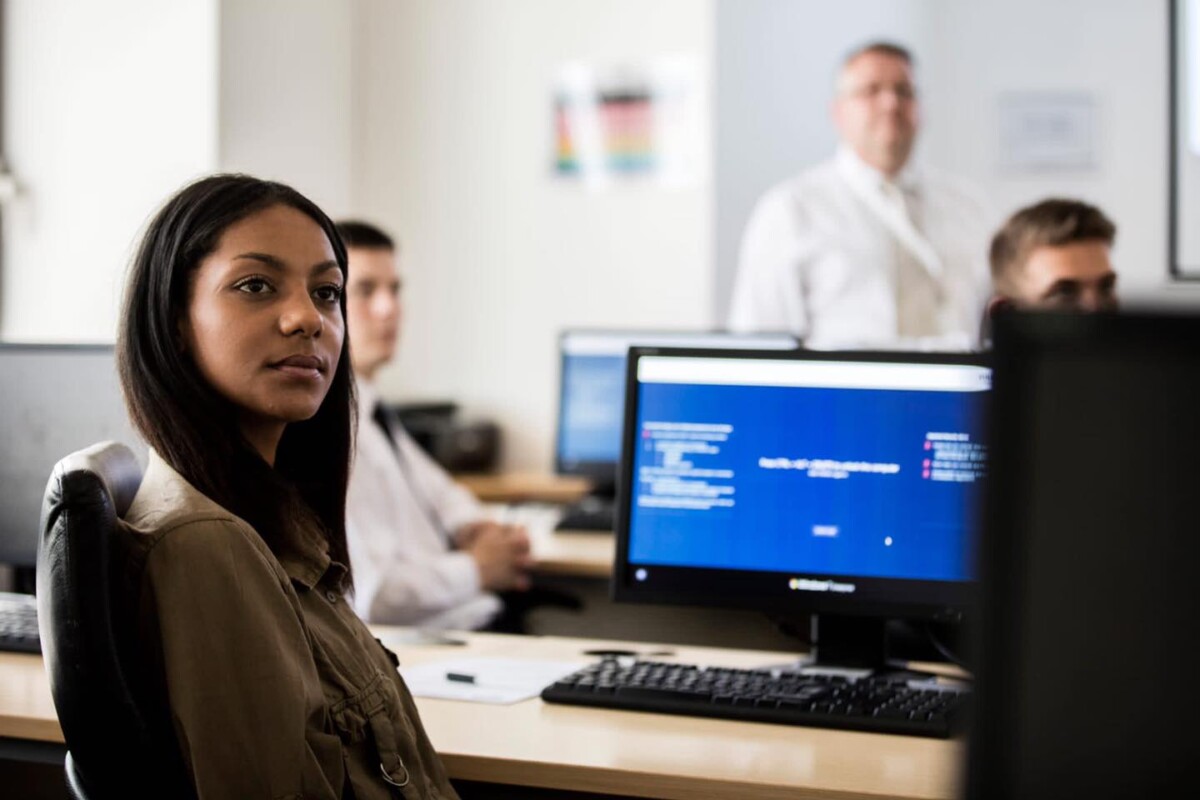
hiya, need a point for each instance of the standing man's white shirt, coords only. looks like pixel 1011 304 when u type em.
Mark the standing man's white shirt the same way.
pixel 400 509
pixel 843 257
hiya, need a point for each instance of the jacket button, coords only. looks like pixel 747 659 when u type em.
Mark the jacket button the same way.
pixel 331 596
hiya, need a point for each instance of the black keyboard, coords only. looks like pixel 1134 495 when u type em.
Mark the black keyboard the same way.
pixel 589 514
pixel 917 708
pixel 18 623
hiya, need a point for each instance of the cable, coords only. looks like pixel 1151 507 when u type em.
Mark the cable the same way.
pixel 945 651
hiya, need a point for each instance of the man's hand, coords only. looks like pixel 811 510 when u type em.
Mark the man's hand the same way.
pixel 500 551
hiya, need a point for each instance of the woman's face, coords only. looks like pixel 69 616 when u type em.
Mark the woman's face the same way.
pixel 263 322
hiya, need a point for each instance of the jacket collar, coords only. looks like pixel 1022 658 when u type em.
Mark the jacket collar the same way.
pixel 305 557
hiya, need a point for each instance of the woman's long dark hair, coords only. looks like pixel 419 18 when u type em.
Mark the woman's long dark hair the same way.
pixel 192 426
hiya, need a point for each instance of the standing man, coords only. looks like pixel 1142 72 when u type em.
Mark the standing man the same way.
pixel 423 551
pixel 866 249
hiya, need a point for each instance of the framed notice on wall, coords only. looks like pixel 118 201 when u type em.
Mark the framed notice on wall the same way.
pixel 1048 132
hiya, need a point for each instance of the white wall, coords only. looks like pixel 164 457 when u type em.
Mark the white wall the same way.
pixel 108 107
pixel 286 94
pixel 1187 130
pixel 1112 50
pixel 453 154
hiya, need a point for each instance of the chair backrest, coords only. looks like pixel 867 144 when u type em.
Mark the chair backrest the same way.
pixel 118 735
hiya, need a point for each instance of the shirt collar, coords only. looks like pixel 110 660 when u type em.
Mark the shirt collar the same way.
pixel 853 167
pixel 368 396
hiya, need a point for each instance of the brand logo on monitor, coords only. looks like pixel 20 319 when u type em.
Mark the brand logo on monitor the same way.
pixel 809 585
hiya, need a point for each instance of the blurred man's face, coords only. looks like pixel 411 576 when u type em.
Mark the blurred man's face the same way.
pixel 372 308
pixel 1073 277
pixel 876 110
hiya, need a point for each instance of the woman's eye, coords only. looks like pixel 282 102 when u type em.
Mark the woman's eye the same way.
pixel 254 286
pixel 329 293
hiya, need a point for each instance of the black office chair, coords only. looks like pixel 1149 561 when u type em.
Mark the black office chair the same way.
pixel 118 734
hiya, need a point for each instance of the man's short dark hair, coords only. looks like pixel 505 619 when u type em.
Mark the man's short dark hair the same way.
pixel 1050 223
pixel 356 233
pixel 880 47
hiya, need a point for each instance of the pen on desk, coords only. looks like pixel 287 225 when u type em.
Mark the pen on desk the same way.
pixel 460 677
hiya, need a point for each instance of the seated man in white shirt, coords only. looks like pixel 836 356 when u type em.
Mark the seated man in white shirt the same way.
pixel 423 550
pixel 1055 256
pixel 867 249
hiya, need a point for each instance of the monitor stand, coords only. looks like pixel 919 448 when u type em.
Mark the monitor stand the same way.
pixel 857 645
pixel 24 579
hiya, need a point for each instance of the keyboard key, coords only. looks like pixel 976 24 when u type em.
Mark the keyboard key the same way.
pixel 651 693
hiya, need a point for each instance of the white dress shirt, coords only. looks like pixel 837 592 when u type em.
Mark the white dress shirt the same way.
pixel 401 511
pixel 843 257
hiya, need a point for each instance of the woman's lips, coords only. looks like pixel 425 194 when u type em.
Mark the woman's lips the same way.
pixel 301 366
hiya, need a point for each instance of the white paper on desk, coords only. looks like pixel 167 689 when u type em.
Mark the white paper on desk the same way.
pixel 497 680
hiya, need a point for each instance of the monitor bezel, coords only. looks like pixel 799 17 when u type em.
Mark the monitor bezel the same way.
pixel 950 598
pixel 22 555
pixel 603 472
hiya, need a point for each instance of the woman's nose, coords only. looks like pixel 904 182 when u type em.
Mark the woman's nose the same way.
pixel 301 315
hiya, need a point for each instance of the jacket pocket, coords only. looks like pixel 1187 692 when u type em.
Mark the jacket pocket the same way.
pixel 372 724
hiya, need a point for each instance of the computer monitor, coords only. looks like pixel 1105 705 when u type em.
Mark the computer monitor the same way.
pixel 1086 682
pixel 592 391
pixel 841 484
pixel 54 399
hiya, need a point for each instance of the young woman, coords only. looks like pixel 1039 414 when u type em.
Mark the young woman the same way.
pixel 234 360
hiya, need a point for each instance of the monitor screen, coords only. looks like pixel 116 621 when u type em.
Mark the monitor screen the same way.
pixel 592 395
pixel 1086 674
pixel 54 400
pixel 805 481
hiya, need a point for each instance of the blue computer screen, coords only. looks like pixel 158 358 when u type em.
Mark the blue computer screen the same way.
pixel 592 408
pixel 852 469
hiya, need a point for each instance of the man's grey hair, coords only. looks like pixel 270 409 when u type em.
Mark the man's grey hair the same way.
pixel 880 47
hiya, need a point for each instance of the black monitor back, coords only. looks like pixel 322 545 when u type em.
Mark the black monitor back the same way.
pixel 1091 600
pixel 54 400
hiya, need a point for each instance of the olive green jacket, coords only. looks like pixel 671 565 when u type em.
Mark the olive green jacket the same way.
pixel 275 688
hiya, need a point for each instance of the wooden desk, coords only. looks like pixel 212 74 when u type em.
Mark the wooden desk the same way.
pixel 617 752
pixel 573 554
pixel 26 709
pixel 524 487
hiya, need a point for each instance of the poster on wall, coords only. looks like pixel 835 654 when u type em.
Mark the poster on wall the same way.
pixel 629 122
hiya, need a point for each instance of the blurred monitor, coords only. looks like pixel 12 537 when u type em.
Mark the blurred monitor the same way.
pixel 592 390
pixel 54 399
pixel 1091 549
